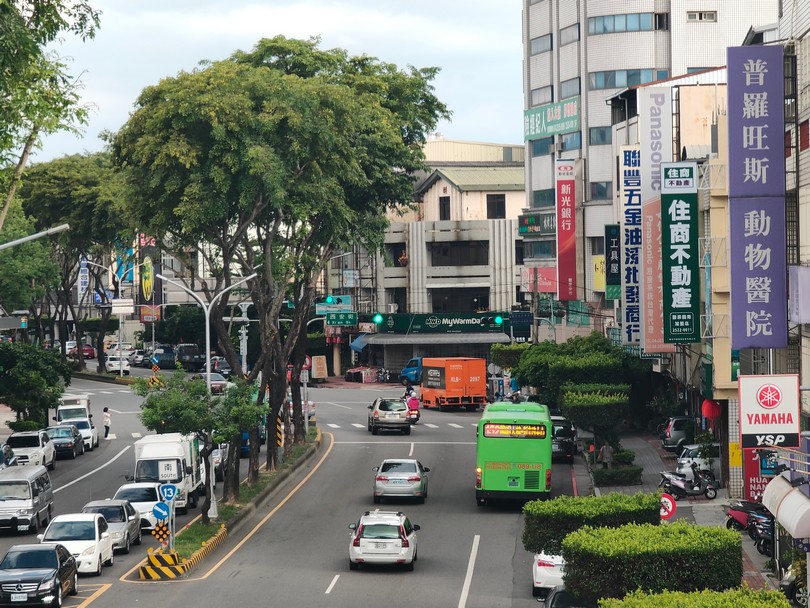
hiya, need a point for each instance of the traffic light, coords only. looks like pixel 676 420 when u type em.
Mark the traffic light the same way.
pixel 333 300
pixel 377 318
pixel 493 321
pixel 330 300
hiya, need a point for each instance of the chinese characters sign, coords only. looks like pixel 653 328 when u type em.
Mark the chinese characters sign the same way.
pixel 543 224
pixel 630 209
pixel 515 431
pixel 545 121
pixel 769 411
pixel 613 264
pixel 756 197
pixel 681 297
pixel 566 230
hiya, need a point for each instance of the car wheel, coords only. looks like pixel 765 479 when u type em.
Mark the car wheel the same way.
pixel 138 538
pixel 96 445
pixel 98 567
pixel 415 554
pixel 57 600
pixel 82 449
pixel 74 587
pixel 406 430
pixel 537 591
pixel 110 561
pixel 374 430
pixel 74 453
pixel 800 595
pixel 353 565
pixel 369 425
pixel 422 499
pixel 125 548
pixel 33 527
pixel 377 500
pixel 52 466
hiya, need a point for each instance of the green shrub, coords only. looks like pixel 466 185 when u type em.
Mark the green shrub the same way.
pixel 617 476
pixel 611 562
pixel 546 522
pixel 606 389
pixel 736 598
pixel 623 457
pixel 24 425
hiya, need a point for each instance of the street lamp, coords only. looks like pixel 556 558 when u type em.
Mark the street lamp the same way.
pixel 207 311
pixel 37 235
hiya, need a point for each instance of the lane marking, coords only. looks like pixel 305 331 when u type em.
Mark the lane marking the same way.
pixel 358 426
pixel 102 589
pixel 136 435
pixel 332 585
pixel 400 442
pixel 410 452
pixel 454 425
pixel 332 425
pixel 111 436
pixel 465 589
pixel 93 472
pixel 431 426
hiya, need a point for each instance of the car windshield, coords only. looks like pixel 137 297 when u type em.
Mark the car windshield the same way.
pixel 23 441
pixel 563 431
pixel 70 530
pixel 14 490
pixel 60 432
pixel 392 406
pixel 82 424
pixel 112 513
pixel 389 531
pixel 217 378
pixel 28 560
pixel 398 467
pixel 137 494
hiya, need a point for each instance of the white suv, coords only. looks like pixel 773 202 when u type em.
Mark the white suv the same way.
pixel 382 537
pixel 33 447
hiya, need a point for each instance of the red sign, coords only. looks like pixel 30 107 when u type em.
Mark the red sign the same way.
pixel 566 230
pixel 753 481
pixel 668 506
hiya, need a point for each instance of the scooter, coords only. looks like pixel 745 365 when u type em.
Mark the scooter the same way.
pixel 765 536
pixel 700 484
pixel 413 416
pixel 740 516
pixel 667 478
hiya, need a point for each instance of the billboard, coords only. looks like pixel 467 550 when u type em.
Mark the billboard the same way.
pixel 769 411
pixel 630 210
pixel 545 121
pixel 565 173
pixel 149 295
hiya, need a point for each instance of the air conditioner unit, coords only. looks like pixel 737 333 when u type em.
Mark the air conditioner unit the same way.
pixel 392 308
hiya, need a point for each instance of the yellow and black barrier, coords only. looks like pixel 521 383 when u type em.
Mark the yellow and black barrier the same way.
pixel 161 566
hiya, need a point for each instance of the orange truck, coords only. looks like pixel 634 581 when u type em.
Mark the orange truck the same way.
pixel 454 382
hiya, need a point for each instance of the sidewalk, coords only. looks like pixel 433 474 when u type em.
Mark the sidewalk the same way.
pixel 699 510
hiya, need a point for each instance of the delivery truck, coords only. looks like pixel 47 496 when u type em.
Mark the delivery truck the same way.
pixel 171 458
pixel 454 382
pixel 72 407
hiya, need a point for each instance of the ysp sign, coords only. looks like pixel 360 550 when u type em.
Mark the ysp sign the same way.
pixel 769 411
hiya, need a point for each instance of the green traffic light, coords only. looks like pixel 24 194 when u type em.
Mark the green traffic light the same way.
pixel 330 300
pixel 377 318
pixel 498 320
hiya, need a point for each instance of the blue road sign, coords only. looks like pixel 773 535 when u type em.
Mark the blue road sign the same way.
pixel 161 510
pixel 168 491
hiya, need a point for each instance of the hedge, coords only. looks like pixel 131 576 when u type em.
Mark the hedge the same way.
pixel 617 476
pixel 623 457
pixel 736 598
pixel 608 389
pixel 547 522
pixel 611 562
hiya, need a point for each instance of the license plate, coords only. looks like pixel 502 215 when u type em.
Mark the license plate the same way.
pixel 555 445
pixel 19 597
pixel 391 415
pixel 380 545
pixel 22 529
pixel 397 482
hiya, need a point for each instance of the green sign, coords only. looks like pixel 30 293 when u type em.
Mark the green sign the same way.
pixel 542 223
pixel 548 120
pixel 679 245
pixel 343 319
pixel 438 323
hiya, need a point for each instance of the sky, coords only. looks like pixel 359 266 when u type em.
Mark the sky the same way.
pixel 476 44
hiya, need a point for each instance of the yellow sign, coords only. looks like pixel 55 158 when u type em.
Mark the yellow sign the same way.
pixel 598 272
pixel 319 367
pixel 147 278
pixel 734 454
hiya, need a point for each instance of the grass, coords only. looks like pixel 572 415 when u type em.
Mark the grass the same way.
pixel 188 540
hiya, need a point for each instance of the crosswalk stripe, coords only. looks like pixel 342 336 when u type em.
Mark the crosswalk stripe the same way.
pixel 332 425
pixel 112 436
pixel 432 426
pixel 454 425
pixel 358 426
pixel 106 392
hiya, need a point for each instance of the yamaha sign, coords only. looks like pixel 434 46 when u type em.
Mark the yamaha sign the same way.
pixel 769 411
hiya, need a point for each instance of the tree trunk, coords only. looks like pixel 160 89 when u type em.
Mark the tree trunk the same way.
pixel 231 490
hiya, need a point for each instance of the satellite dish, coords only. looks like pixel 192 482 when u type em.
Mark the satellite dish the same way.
pixel 493 369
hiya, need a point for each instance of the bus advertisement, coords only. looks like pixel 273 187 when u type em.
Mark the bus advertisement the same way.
pixel 513 452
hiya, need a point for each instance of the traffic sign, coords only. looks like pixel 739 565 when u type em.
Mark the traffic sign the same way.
pixel 168 491
pixel 668 506
pixel 161 510
pixel 344 319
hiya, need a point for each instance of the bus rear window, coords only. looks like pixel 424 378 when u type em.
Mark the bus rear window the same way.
pixel 515 431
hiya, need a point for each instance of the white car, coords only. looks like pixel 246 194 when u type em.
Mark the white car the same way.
pixel 143 495
pixel 33 447
pixel 114 364
pixel 547 573
pixel 86 536
pixel 382 537
pixel 88 430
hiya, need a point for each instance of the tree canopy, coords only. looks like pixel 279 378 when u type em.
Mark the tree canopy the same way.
pixel 31 380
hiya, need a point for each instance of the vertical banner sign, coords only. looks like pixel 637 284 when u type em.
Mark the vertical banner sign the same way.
pixel 84 277
pixel 681 271
pixel 613 264
pixel 566 230
pixel 757 197
pixel 630 176
pixel 655 141
pixel 149 293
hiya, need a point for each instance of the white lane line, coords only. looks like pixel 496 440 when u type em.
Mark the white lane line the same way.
pixel 431 426
pixel 465 590
pixel 93 472
pixel 112 436
pixel 332 425
pixel 454 425
pixel 358 426
pixel 410 452
pixel 475 424
pixel 107 392
pixel 332 584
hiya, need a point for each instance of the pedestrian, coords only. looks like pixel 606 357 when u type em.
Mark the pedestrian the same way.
pixel 605 455
pixel 107 422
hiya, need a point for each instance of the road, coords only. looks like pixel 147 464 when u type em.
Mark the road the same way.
pixel 295 550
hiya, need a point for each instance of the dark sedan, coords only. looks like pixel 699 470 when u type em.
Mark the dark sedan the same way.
pixel 37 575
pixel 67 439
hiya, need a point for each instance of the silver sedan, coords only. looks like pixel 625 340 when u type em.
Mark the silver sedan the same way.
pixel 123 519
pixel 401 477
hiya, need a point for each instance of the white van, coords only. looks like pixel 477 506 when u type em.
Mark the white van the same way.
pixel 27 498
pixel 691 453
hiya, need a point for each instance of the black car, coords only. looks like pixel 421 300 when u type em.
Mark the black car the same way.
pixel 559 597
pixel 564 442
pixel 37 575
pixel 67 439
pixel 7 456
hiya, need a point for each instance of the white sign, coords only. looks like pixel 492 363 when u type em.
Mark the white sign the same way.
pixel 84 278
pixel 167 470
pixel 769 411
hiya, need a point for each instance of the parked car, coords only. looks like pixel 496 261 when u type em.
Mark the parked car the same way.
pixel 7 456
pixel 31 574
pixel 114 364
pixel 221 366
pixel 382 537
pixel 88 431
pixel 219 460
pixel 400 477
pixel 69 345
pixel 142 495
pixel 674 434
pixel 124 349
pixel 124 521
pixel 88 352
pixel 389 414
pixel 218 382
pixel 66 439
pixel 136 358
pixel 33 447
pixel 547 573
pixel 691 453
pixel 560 597
pixel 564 442
pixel 85 535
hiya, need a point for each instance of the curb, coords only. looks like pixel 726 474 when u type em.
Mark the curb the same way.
pixel 96 377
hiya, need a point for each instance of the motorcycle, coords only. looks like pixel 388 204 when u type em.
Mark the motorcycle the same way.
pixel 764 527
pixel 667 478
pixel 700 484
pixel 740 516
pixel 413 416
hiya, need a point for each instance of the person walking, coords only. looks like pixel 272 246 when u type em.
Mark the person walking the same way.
pixel 107 422
pixel 606 455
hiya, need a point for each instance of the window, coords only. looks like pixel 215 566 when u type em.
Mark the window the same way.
pixel 632 22
pixel 693 70
pixel 695 16
pixel 572 141
pixel 619 79
pixel 542 146
pixel 518 253
pixel 600 136
pixel 569 34
pixel 396 255
pixel 601 191
pixel 597 245
pixel 541 44
pixel 569 88
pixel 542 95
pixel 444 208
pixel 464 253
pixel 496 206
pixel 543 198
pixel 540 249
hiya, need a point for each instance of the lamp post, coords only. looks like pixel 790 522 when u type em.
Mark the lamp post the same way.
pixel 207 311
pixel 120 324
pixel 37 235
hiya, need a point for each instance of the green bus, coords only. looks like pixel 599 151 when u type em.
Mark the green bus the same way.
pixel 513 452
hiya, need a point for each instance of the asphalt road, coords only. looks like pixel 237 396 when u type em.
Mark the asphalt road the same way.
pixel 295 551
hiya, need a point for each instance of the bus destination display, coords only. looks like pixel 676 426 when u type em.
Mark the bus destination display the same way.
pixel 515 431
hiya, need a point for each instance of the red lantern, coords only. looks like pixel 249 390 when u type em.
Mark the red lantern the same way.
pixel 711 409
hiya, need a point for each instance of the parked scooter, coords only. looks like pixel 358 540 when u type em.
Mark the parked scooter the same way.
pixel 667 478
pixel 739 516
pixel 699 484
pixel 764 527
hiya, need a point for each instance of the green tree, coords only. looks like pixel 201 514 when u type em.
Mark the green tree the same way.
pixel 31 380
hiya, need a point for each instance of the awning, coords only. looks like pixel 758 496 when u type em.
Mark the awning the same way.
pixel 482 338
pixel 789 505
pixel 359 343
